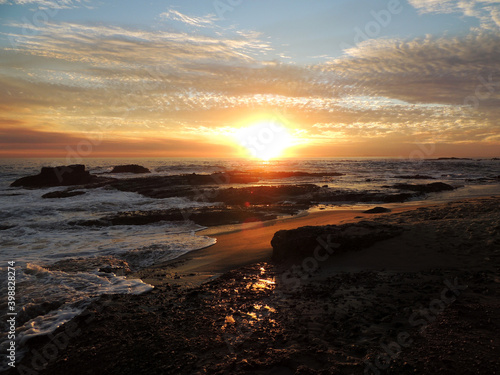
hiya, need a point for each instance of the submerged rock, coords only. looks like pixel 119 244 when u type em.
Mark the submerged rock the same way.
pixel 206 216
pixel 58 176
pixel 304 241
pixel 377 210
pixel 425 188
pixel 63 194
pixel 130 168
pixel 416 177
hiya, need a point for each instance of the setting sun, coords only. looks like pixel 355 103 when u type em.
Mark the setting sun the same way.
pixel 265 139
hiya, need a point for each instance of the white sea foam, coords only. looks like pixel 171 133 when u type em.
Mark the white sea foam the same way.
pixel 51 298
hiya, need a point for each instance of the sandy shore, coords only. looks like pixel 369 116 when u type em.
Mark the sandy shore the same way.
pixel 244 244
pixel 424 302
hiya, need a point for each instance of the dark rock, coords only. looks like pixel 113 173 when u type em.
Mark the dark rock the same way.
pixel 63 194
pixel 426 188
pixel 347 196
pixel 118 270
pixel 5 227
pixel 301 242
pixel 453 158
pixel 58 176
pixel 206 216
pixel 130 168
pixel 262 194
pixel 377 210
pixel 416 177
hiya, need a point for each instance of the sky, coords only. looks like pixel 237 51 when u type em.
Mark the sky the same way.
pixel 249 78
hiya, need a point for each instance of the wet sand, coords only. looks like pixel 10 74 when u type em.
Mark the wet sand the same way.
pixel 242 244
pixel 425 302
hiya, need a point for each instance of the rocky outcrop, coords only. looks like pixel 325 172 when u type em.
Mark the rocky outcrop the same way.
pixel 377 210
pixel 290 245
pixel 416 177
pixel 57 176
pixel 63 194
pixel 330 195
pixel 130 168
pixel 263 194
pixel 206 216
pixel 425 188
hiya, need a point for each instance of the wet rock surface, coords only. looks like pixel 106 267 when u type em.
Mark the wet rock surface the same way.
pixel 244 322
pixel 252 320
pixel 63 194
pixel 58 176
pixel 130 168
pixel 425 188
pixel 302 242
pixel 206 216
pixel 377 210
pixel 416 177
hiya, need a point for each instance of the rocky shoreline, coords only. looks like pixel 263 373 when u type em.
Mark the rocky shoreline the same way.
pixel 423 298
pixel 232 204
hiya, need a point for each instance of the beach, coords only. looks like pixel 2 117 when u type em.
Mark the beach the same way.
pixel 424 301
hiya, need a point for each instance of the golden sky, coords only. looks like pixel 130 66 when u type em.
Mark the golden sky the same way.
pixel 79 79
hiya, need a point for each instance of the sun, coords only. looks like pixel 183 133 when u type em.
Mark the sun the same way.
pixel 265 140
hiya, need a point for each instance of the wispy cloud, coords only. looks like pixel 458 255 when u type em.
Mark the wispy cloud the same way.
pixel 427 70
pixel 49 4
pixel 174 15
pixel 138 83
pixel 487 11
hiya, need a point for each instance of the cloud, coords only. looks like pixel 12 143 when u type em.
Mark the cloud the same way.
pixel 115 70
pixel 425 70
pixel 487 11
pixel 49 4
pixel 135 85
pixel 206 21
pixel 34 143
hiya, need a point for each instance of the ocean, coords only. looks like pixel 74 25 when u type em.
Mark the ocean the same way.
pixel 35 232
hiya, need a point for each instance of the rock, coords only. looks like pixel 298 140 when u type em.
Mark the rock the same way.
pixel 130 168
pixel 57 176
pixel 289 245
pixel 425 188
pixel 377 210
pixel 263 194
pixel 63 194
pixel 206 216
pixel 117 270
pixel 348 196
pixel 454 158
pixel 416 177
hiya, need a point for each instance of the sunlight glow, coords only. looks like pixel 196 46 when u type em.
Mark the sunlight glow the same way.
pixel 264 140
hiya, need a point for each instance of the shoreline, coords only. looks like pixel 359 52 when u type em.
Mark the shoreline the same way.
pixel 194 319
pixel 200 265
